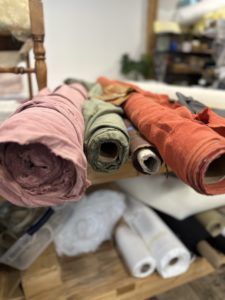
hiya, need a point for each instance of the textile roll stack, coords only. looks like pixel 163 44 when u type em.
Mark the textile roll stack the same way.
pixel 106 137
pixel 144 156
pixel 172 128
pixel 134 252
pixel 172 257
pixel 41 149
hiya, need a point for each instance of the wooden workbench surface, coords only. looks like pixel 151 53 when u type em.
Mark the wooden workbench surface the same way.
pixel 98 276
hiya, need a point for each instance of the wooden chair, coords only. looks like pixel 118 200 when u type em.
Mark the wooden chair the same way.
pixel 16 51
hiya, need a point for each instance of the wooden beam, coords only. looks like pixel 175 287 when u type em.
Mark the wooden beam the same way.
pixel 16 70
pixel 151 17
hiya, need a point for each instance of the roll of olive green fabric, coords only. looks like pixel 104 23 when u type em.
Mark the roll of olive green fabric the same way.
pixel 106 138
pixel 213 221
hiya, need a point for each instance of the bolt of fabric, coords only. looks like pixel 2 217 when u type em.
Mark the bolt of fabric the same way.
pixel 41 149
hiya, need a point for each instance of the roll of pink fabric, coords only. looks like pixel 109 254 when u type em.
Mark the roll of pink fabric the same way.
pixel 41 149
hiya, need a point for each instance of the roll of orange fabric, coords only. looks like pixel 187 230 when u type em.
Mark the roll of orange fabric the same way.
pixel 193 146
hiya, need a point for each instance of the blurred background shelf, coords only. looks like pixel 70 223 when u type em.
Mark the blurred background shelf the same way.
pixel 194 53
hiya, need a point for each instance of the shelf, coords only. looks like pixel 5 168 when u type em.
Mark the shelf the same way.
pixel 184 69
pixel 127 170
pixel 185 34
pixel 97 276
pixel 194 53
pixel 108 278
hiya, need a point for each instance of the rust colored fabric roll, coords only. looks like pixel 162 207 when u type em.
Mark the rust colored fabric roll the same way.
pixel 41 149
pixel 144 156
pixel 193 146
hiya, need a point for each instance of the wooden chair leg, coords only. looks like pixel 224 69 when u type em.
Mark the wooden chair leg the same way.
pixel 29 78
pixel 40 65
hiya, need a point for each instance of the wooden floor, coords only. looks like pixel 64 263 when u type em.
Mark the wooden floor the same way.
pixel 211 287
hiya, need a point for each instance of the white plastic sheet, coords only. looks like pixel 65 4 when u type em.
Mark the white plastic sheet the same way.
pixel 92 222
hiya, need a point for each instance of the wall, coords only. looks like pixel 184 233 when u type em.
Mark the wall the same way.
pixel 86 38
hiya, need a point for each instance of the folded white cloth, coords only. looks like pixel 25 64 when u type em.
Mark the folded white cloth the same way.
pixel 134 252
pixel 92 222
pixel 171 256
pixel 169 195
pixel 192 13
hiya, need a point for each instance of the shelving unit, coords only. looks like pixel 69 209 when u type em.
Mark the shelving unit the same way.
pixel 176 64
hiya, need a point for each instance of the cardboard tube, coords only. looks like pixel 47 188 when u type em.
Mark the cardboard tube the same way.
pixel 210 254
pixel 213 221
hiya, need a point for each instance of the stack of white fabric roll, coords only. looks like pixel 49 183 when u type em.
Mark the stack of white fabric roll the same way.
pixel 146 244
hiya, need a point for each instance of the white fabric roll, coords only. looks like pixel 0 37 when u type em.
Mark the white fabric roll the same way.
pixel 92 222
pixel 149 161
pixel 190 14
pixel 169 195
pixel 134 252
pixel 172 257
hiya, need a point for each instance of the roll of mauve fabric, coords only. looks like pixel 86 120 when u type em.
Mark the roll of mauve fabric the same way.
pixel 106 137
pixel 41 149
pixel 193 146
pixel 144 156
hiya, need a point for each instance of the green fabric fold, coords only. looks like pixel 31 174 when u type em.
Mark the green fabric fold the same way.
pixel 106 138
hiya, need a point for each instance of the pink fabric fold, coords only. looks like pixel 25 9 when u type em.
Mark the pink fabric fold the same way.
pixel 41 149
